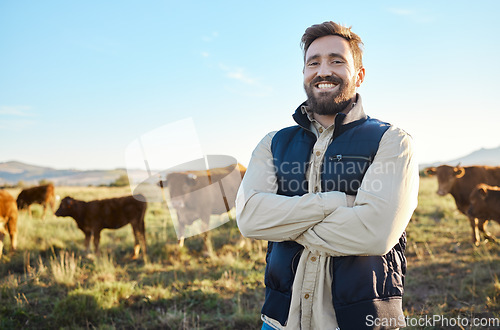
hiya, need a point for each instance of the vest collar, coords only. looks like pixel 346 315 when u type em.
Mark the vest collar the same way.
pixel 343 122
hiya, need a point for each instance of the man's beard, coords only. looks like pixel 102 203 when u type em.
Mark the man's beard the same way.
pixel 330 103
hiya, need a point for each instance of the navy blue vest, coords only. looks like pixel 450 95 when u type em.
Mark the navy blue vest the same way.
pixel 356 292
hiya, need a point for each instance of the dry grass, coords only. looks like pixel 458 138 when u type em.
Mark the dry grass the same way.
pixel 50 283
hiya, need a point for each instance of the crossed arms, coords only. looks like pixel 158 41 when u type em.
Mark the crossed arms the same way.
pixel 329 221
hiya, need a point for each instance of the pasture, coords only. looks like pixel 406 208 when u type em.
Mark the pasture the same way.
pixel 50 282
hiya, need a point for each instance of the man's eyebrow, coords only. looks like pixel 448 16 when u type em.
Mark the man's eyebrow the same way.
pixel 338 56
pixel 312 57
pixel 331 55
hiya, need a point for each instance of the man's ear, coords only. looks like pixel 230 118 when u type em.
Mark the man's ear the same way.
pixel 361 76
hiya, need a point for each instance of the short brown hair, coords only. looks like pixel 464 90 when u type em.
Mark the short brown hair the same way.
pixel 331 28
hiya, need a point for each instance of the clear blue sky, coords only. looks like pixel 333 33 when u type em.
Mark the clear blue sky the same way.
pixel 81 80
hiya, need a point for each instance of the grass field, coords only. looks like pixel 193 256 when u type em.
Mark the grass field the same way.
pixel 49 283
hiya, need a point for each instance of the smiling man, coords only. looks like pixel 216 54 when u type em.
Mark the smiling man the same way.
pixel 331 74
pixel 333 196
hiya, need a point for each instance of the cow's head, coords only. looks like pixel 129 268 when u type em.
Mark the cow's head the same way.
pixel 446 175
pixel 66 207
pixel 478 207
pixel 178 185
pixel 21 203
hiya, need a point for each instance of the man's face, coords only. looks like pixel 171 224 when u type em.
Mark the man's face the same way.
pixel 330 78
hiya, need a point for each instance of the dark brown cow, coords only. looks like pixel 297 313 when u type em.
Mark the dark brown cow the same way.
pixel 484 206
pixel 460 181
pixel 113 213
pixel 43 195
pixel 199 194
pixel 8 219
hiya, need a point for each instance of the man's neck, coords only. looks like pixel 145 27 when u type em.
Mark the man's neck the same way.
pixel 328 120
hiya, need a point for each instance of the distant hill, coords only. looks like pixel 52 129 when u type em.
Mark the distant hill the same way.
pixel 12 172
pixel 483 156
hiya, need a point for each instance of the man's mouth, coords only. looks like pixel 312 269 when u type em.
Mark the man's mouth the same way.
pixel 324 86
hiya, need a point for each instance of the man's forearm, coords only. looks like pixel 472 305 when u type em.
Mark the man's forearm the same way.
pixel 383 206
pixel 279 218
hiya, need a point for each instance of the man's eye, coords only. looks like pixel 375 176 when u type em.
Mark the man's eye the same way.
pixel 313 64
pixel 337 62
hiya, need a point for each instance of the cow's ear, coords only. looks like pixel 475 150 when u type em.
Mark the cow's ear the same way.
pixel 482 192
pixel 430 171
pixel 459 172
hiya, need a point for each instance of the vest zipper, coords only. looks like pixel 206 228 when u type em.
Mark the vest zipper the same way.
pixel 341 157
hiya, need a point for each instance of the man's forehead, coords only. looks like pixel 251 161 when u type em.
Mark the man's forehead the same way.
pixel 329 45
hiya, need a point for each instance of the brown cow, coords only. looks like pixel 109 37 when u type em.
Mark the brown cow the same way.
pixel 459 182
pixel 199 194
pixel 8 219
pixel 484 206
pixel 113 213
pixel 43 195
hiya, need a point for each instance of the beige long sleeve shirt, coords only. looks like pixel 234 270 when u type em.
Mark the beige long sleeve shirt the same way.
pixel 329 223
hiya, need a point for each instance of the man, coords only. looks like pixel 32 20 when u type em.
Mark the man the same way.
pixel 333 196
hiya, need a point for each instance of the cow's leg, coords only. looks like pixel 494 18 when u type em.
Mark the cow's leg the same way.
pixel 53 206
pixel 137 245
pixel 475 231
pixel 97 238
pixel 12 227
pixel 140 240
pixel 44 211
pixel 180 229
pixel 88 235
pixel 2 234
pixel 487 234
pixel 207 236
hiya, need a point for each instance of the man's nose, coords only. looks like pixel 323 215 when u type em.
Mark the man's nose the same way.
pixel 324 70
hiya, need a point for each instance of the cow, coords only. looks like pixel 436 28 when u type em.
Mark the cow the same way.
pixel 459 182
pixel 199 194
pixel 484 206
pixel 43 195
pixel 8 219
pixel 113 213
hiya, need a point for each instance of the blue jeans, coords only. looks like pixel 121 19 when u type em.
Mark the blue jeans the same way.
pixel 266 326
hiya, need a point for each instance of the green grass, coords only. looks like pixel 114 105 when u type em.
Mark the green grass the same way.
pixel 49 283
pixel 447 275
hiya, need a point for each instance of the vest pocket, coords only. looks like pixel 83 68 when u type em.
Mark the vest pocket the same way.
pixel 344 173
pixel 282 261
pixel 361 278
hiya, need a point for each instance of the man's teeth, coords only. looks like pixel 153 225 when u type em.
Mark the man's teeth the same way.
pixel 325 85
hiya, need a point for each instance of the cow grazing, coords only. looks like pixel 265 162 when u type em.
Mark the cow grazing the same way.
pixel 199 194
pixel 8 219
pixel 94 216
pixel 43 195
pixel 484 206
pixel 459 182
